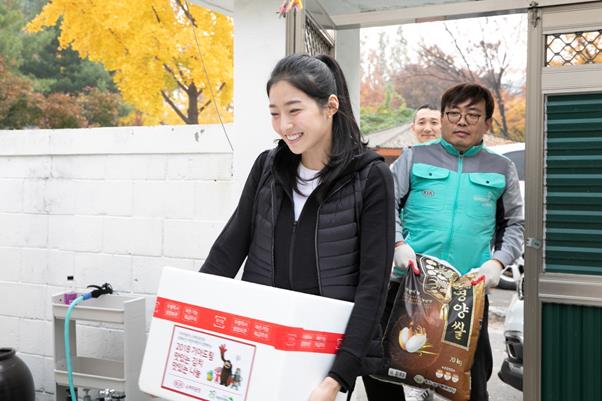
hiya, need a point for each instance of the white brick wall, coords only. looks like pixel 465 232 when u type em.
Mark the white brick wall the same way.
pixel 104 205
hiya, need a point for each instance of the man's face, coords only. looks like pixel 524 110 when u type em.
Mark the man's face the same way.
pixel 463 125
pixel 427 125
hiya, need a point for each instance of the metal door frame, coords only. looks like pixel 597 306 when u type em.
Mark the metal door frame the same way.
pixel 540 286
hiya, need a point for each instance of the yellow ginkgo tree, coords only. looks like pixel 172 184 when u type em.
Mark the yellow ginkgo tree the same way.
pixel 160 51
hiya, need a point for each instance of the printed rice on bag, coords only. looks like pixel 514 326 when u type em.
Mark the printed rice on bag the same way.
pixel 433 329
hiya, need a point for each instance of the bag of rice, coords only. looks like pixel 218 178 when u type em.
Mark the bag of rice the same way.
pixel 433 329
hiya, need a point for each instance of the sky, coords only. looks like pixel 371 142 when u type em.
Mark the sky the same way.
pixel 512 29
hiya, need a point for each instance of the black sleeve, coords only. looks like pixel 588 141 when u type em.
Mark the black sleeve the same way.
pixel 232 245
pixel 377 236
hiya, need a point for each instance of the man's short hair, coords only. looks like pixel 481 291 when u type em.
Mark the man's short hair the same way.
pixel 472 92
pixel 424 106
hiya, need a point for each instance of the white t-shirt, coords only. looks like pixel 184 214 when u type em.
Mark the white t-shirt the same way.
pixel 306 186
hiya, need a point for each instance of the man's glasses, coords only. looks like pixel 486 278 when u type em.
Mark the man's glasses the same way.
pixel 455 116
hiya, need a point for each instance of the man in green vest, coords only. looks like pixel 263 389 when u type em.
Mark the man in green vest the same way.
pixel 460 202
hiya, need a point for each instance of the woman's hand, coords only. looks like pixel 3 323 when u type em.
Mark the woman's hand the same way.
pixel 326 391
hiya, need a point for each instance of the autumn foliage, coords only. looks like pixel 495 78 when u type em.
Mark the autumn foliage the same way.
pixel 389 83
pixel 22 107
pixel 151 48
pixel 19 104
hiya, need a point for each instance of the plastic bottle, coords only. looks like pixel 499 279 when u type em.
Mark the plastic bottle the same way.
pixel 71 294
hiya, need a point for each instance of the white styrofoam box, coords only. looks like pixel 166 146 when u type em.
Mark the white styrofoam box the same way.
pixel 280 344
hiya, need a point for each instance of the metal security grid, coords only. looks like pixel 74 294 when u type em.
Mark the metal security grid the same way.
pixel 574 48
pixel 317 41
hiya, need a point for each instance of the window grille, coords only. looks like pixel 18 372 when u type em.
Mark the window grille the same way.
pixel 317 41
pixel 574 48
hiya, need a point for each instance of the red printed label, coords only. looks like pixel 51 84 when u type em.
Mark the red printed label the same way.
pixel 281 337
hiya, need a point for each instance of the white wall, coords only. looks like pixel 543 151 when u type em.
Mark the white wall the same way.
pixel 105 205
pixel 259 42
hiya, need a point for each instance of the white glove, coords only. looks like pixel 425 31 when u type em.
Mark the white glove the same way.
pixel 490 272
pixel 405 257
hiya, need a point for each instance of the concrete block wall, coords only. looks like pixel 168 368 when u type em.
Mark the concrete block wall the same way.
pixel 104 205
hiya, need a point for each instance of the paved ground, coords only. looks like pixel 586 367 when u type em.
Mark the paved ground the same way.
pixel 498 390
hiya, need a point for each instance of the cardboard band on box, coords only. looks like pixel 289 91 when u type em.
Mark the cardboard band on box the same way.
pixel 285 338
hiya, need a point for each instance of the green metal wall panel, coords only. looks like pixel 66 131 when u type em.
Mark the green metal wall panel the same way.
pixel 571 366
pixel 573 181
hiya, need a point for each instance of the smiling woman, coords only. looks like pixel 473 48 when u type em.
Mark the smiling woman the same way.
pixel 302 123
pixel 298 219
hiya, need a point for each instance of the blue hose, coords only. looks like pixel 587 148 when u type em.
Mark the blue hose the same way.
pixel 77 300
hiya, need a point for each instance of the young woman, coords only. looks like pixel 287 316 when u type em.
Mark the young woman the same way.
pixel 316 215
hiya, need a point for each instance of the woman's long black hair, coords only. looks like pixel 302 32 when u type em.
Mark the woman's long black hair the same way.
pixel 319 77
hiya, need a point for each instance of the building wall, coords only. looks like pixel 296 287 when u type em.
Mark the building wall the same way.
pixel 259 42
pixel 104 205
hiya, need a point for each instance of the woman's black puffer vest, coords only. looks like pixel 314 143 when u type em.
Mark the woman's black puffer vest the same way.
pixel 337 239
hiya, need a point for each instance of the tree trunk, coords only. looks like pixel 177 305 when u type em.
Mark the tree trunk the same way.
pixel 496 86
pixel 501 106
pixel 193 105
